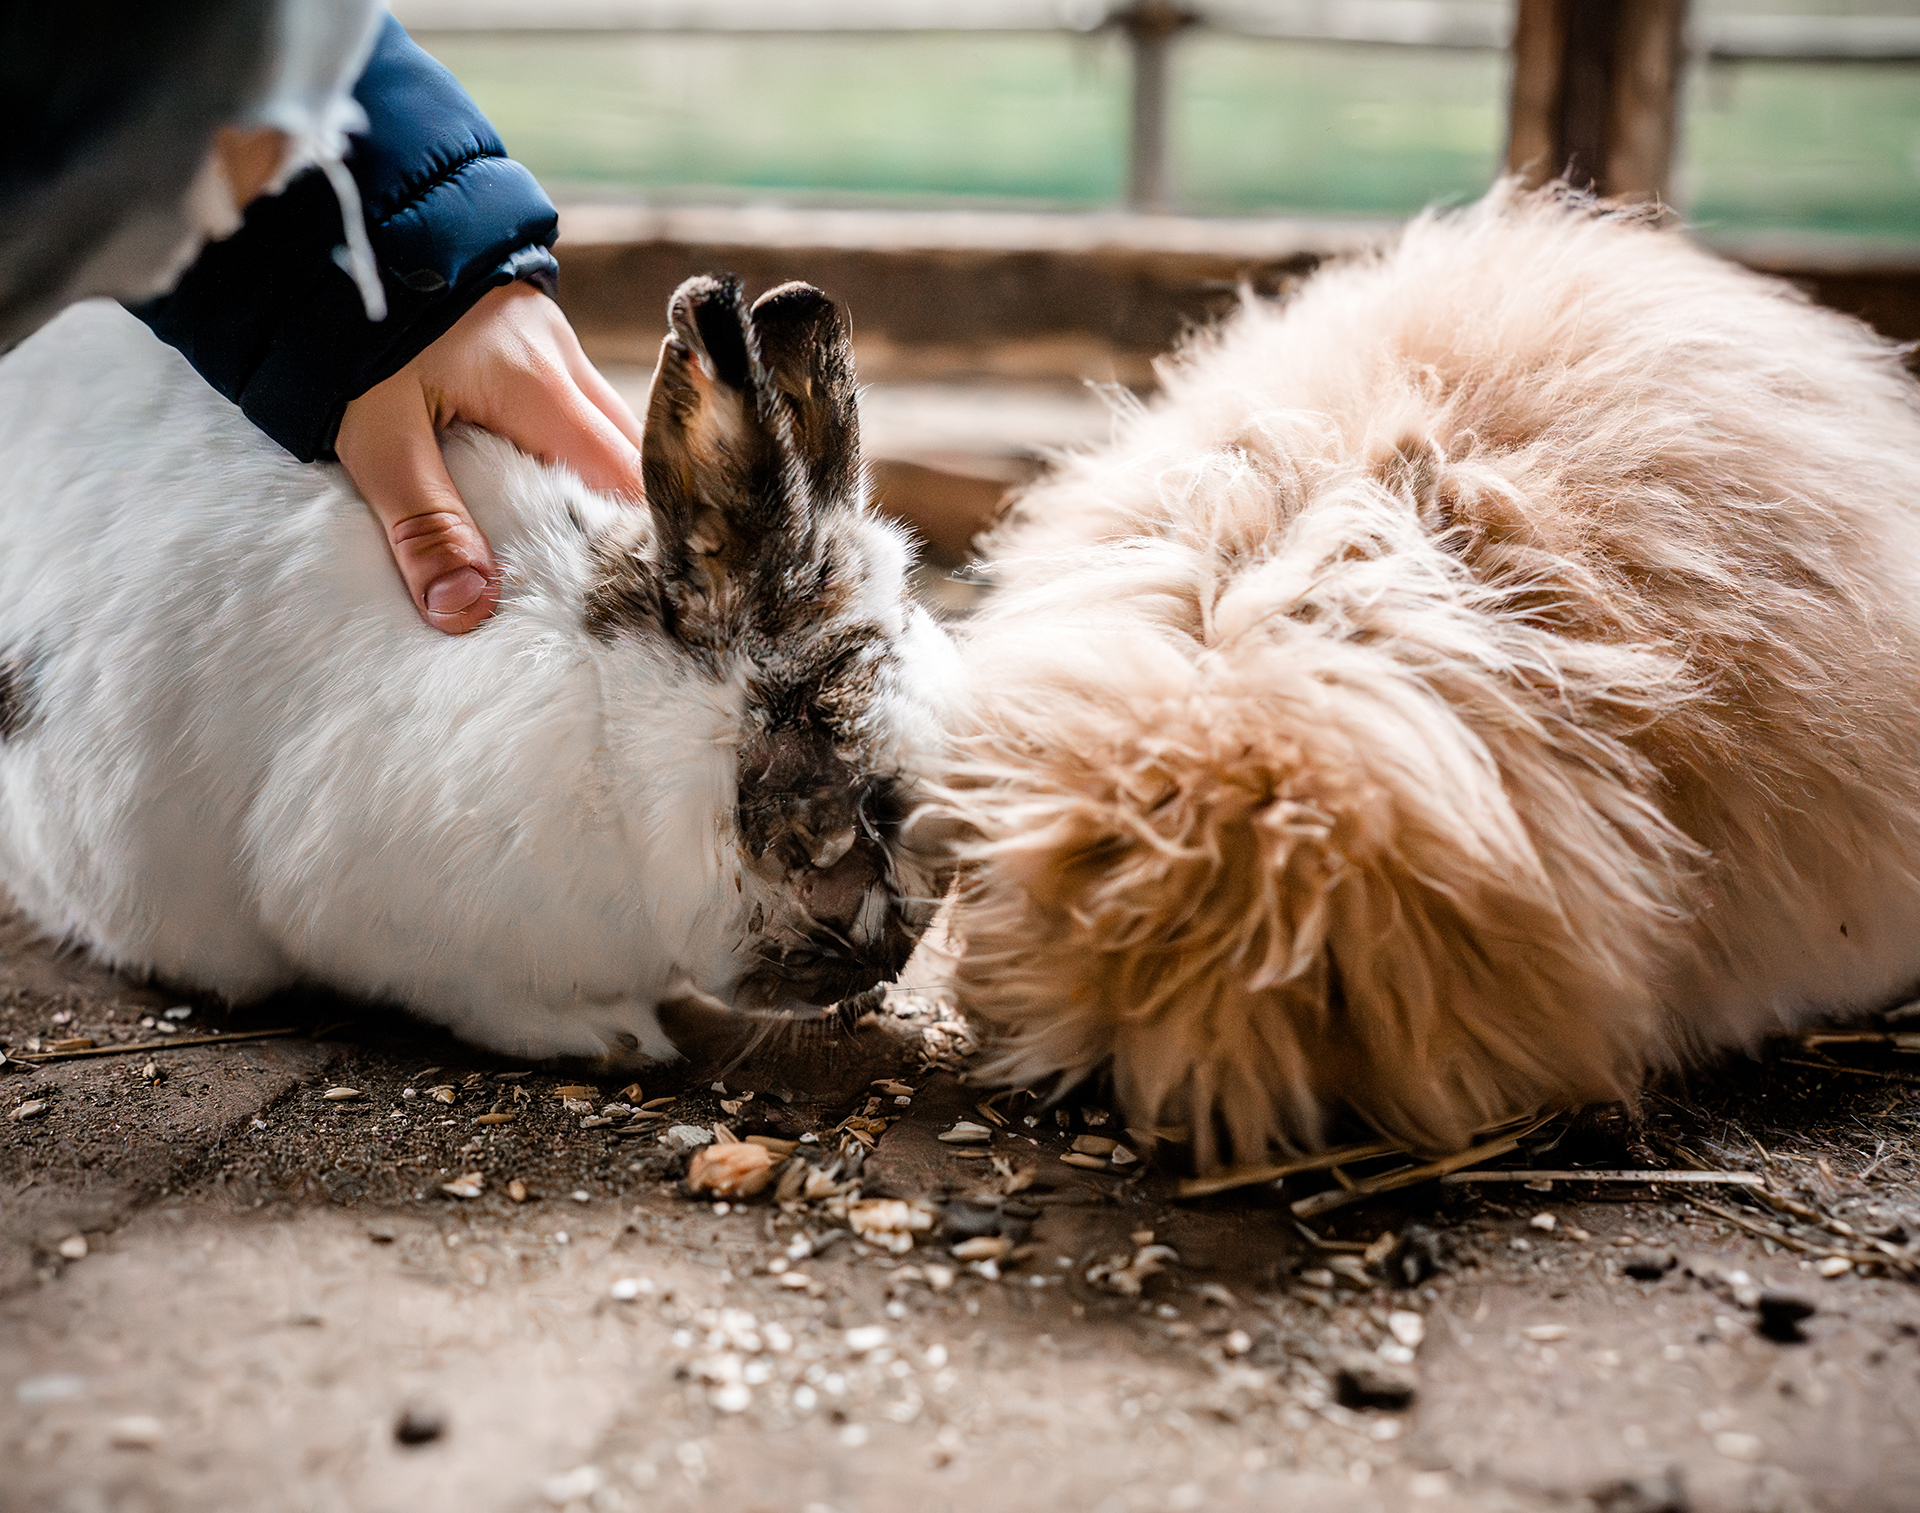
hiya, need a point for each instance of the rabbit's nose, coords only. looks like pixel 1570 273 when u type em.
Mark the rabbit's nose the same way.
pixel 841 896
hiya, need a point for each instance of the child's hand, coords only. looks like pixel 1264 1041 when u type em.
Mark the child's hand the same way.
pixel 512 365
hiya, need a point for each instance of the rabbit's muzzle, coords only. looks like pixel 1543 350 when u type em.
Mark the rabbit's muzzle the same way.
pixel 839 930
pixel 845 900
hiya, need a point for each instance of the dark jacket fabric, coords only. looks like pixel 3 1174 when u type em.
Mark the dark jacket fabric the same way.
pixel 270 320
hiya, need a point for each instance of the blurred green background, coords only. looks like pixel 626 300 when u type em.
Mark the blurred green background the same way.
pixel 1258 126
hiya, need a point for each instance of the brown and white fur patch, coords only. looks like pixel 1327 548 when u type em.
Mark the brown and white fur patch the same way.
pixel 1486 676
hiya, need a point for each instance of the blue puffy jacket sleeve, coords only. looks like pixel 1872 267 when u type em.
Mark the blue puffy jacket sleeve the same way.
pixel 271 321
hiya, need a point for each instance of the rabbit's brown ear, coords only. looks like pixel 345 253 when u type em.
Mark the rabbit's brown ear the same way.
pixel 712 470
pixel 805 348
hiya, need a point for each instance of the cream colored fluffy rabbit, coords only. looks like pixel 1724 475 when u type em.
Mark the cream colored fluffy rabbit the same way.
pixel 677 758
pixel 1489 675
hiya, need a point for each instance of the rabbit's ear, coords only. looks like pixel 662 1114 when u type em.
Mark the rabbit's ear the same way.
pixel 805 347
pixel 713 472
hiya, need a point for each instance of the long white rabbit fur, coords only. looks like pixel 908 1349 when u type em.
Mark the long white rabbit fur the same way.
pixel 1482 678
pixel 232 756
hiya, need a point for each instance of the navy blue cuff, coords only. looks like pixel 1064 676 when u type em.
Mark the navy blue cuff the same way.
pixel 274 324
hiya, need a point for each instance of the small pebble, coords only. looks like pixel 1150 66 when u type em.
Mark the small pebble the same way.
pixel 178 1011
pixel 1548 1222
pixel 1737 1446
pixel 517 1190
pixel 1365 1381
pixel 74 1247
pixel 1781 1314
pixel 137 1431
pixel 1828 1266
pixel 626 1289
pixel 866 1338
pixel 581 1195
pixel 419 1425
pixel 1407 1327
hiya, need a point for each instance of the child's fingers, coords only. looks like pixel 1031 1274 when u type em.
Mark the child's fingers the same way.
pixel 388 448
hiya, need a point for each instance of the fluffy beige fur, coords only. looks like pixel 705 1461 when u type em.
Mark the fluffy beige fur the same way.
pixel 1490 674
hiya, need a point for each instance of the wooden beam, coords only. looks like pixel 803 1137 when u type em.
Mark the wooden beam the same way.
pixel 1595 95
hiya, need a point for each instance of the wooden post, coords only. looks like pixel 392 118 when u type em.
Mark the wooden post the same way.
pixel 1596 87
pixel 1150 26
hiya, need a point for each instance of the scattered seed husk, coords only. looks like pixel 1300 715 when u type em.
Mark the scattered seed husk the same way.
pixel 889 1222
pixel 74 1247
pixel 466 1185
pixel 444 1093
pixel 981 1248
pixel 1351 1269
pixel 969 1153
pixel 77 1043
pixel 576 1090
pixel 1546 1333
pixel 656 1103
pixel 732 1170
pixel 517 1190
pixel 1127 1274
pixel 32 1109
pixel 1085 1163
pixel 892 1087
pixel 965 1132
pixel 503 1117
pixel 342 1094
pixel 1094 1145
pixel 1407 1327
pixel 773 1145
pixel 1121 1156
pixel 992 1115
pixel 1833 1266
pixel 793 1177
pixel 633 1093
pixel 137 1431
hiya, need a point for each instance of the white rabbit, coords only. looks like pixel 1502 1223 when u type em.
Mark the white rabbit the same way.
pixel 677 758
pixel 1490 675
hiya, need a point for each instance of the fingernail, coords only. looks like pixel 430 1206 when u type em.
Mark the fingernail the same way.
pixel 453 592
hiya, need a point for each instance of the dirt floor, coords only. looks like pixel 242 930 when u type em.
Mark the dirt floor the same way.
pixel 223 1288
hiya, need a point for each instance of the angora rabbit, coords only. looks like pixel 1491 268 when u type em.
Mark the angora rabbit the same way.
pixel 1489 675
pixel 676 760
